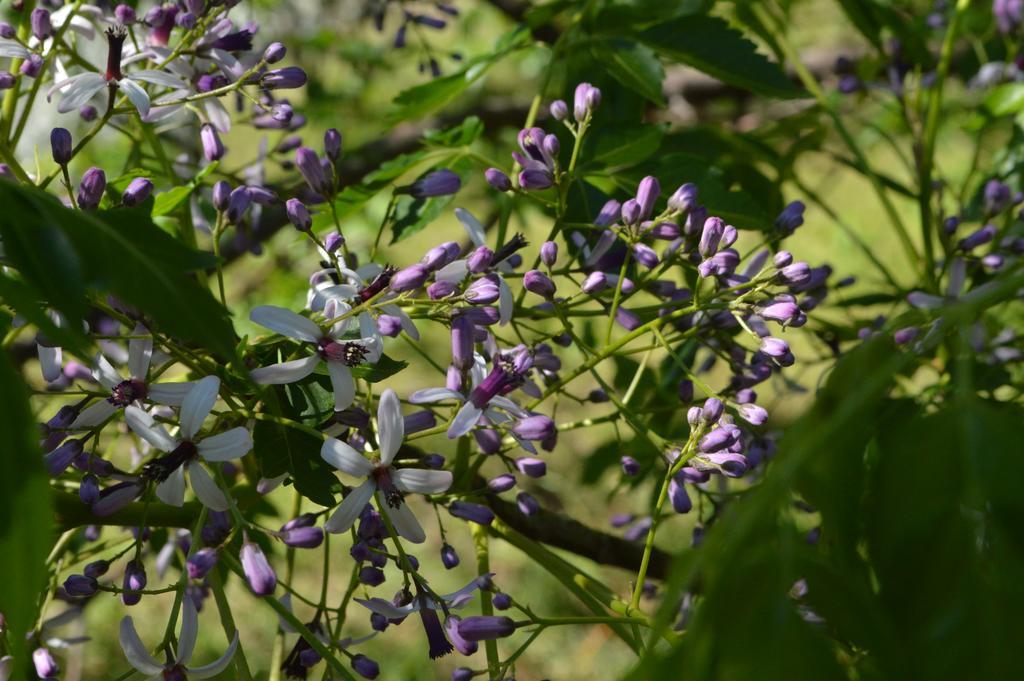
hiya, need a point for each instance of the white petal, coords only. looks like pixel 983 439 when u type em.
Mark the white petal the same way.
pixel 431 395
pixel 957 277
pixel 346 459
pixel 81 90
pixel 506 302
pixel 217 114
pixel 49 362
pixel 286 323
pixel 231 444
pixel 508 405
pixel 172 490
pixel 285 625
pixel 285 372
pixel 472 225
pixel 217 666
pixel 925 301
pixel 160 78
pixel 189 630
pixel 459 598
pixel 10 48
pixel 390 426
pixel 405 522
pixel 172 394
pixel 351 506
pixel 143 424
pixel 343 384
pixel 135 93
pixel 105 373
pixel 464 420
pixel 453 272
pixel 140 351
pixel 421 481
pixel 206 489
pixel 135 651
pixel 387 608
pixel 227 62
pixel 93 415
pixel 197 405
pixel 371 338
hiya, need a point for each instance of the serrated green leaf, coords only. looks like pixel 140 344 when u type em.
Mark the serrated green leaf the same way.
pixel 635 66
pixel 623 145
pixel 710 45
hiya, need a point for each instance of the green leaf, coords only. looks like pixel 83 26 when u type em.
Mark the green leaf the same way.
pixel 1005 100
pixel 27 303
pixel 461 135
pixel 281 449
pixel 385 368
pixel 25 515
pixel 623 145
pixel 167 202
pixel 710 45
pixel 413 214
pixel 633 65
pixel 119 252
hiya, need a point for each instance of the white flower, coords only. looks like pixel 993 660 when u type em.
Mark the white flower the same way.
pixel 183 453
pixel 338 354
pixel 454 600
pixel 138 655
pixel 381 476
pixel 133 389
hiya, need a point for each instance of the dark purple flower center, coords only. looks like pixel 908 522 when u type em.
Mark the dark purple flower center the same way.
pixel 293 665
pixel 382 476
pixel 501 381
pixel 514 244
pixel 175 673
pixel 161 468
pixel 126 392
pixel 115 42
pixel 240 41
pixel 349 354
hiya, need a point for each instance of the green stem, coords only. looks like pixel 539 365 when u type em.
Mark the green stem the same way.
pixel 483 567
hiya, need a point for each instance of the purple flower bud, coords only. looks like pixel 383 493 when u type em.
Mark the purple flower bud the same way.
pixel 378 622
pixel 371 576
pixel 7 81
pixel 89 490
pixel 221 195
pixel 238 202
pixel 298 215
pixel 501 483
pixel 213 148
pixel 711 236
pixel 730 464
pixel 39 20
pixel 795 274
pixel 448 556
pixel 978 238
pixel 462 342
pixel 261 577
pixel 551 146
pixel 409 278
pixel 288 78
pixel 712 411
pixel 753 414
pixel 498 179
pixel 905 335
pixel 58 460
pixel 717 440
pixel 586 99
pixel 774 347
pixel 313 171
pixel 481 515
pixel 998 197
pixel 46 667
pixel 535 428
pixel 137 191
pixel 645 255
pixel 365 667
pixel 684 198
pixel 32 66
pixel 134 581
pixel 7 31
pixel 595 282
pixel 539 283
pixel 91 188
pixel 462 674
pixel 97 568
pixel 630 466
pixel 274 53
pixel 535 178
pixel 647 194
pixel 484 290
pixel 116 497
pixel 60 144
pixel 419 421
pixel 201 562
pixel 81 586
pixel 532 466
pixel 437 183
pixel 666 231
pixel 501 601
pixel 631 212
pixel 791 217
pixel 441 289
pixel 480 260
pixel 333 241
pixel 559 110
pixel 681 502
pixel 608 214
pixel 782 259
pixel 486 627
pixel 303 537
pixel 685 390
pixel 951 224
pixel 527 504
pixel 783 312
